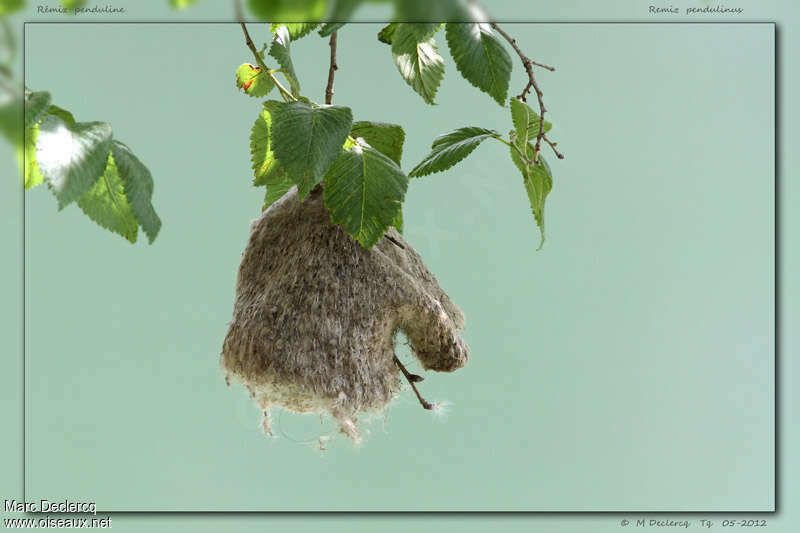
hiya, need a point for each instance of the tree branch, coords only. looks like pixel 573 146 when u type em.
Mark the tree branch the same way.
pixel 528 63
pixel 332 70
pixel 413 378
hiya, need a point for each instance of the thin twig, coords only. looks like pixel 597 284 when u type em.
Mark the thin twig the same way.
pixel 553 146
pixel 332 70
pixel 528 63
pixel 394 241
pixel 413 378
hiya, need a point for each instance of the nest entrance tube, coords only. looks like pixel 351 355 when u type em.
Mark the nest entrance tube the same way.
pixel 315 316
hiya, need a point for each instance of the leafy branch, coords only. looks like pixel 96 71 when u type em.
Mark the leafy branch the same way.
pixel 528 63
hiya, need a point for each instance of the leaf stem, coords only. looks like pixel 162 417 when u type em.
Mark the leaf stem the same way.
pixel 528 63
pixel 331 70
pixel 514 146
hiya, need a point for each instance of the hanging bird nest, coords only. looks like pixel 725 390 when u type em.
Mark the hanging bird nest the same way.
pixel 316 315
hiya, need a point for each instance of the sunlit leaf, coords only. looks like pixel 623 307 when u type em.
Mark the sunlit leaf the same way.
pixel 253 81
pixel 386 138
pixel 106 204
pixel 138 187
pixel 72 157
pixel 418 61
pixel 280 51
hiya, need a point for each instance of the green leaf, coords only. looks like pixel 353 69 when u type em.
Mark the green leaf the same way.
pixel 450 148
pixel 288 10
pixel 526 122
pixel 426 10
pixel 276 189
pixel 138 187
pixel 181 4
pixel 480 57
pixel 33 176
pixel 70 5
pixel 386 138
pixel 306 140
pixel 36 105
pixel 265 166
pixel 398 221
pixel 330 27
pixel 364 191
pixel 11 113
pixel 418 61
pixel 295 30
pixel 253 81
pixel 423 30
pixel 63 114
pixel 387 33
pixel 341 12
pixel 538 182
pixel 105 203
pixel 72 157
pixel 280 51
pixel 9 6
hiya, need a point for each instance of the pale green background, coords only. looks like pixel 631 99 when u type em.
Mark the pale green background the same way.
pixel 624 10
pixel 627 366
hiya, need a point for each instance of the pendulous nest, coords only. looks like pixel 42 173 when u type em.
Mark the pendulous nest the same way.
pixel 316 315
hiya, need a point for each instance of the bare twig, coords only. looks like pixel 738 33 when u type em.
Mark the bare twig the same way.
pixel 528 63
pixel 553 146
pixel 413 378
pixel 394 241
pixel 332 70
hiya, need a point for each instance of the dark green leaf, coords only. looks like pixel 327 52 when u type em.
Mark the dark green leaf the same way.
pixel 63 114
pixel 450 148
pixel 105 203
pixel 265 168
pixel 11 115
pixel 288 10
pixel 306 140
pixel 423 30
pixel 341 13
pixel 387 33
pixel 72 157
pixel 385 138
pixel 138 187
pixel 480 57
pixel 426 10
pixel 253 80
pixel 276 188
pixel 364 191
pixel 36 105
pixel 526 122
pixel 418 61
pixel 538 182
pixel 280 51
pixel 32 175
